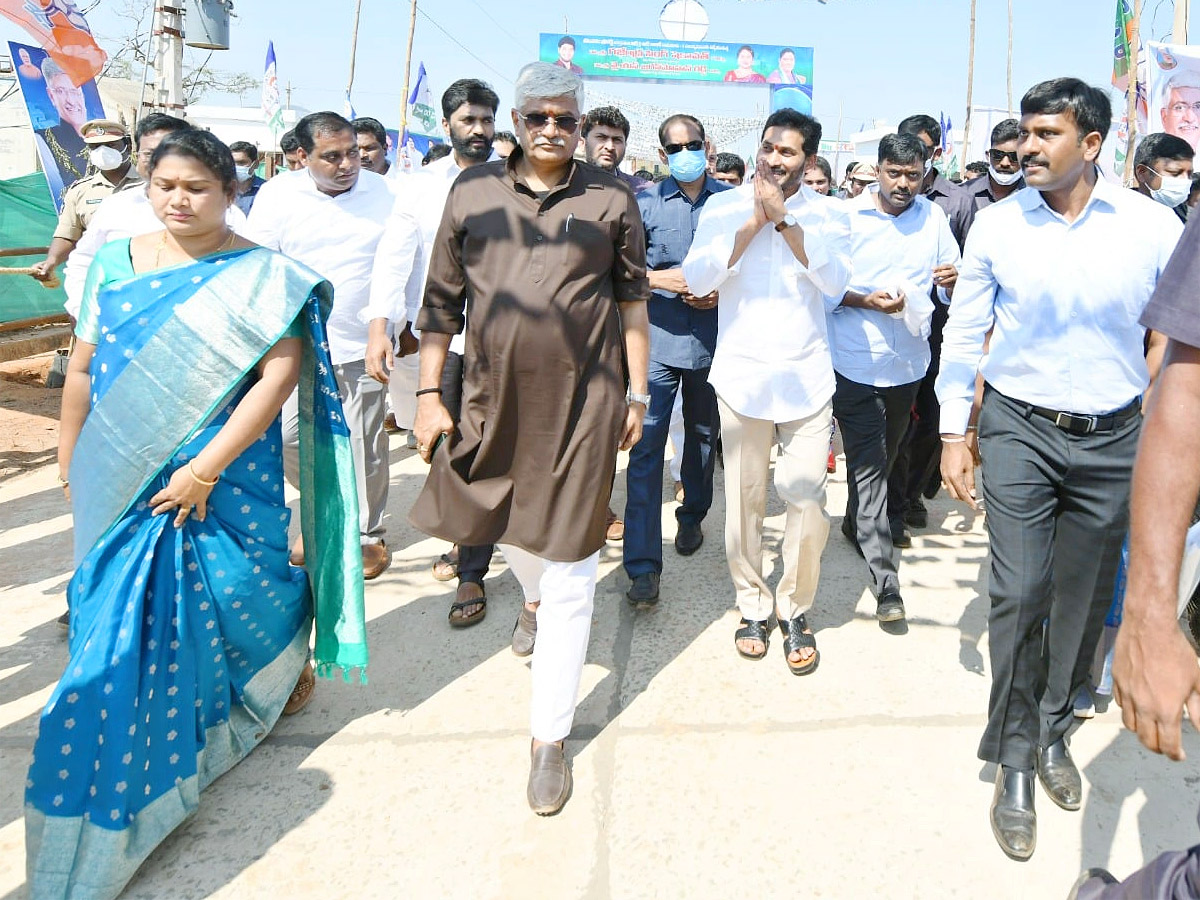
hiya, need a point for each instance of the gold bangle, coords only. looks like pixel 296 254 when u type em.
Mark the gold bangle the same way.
pixel 198 479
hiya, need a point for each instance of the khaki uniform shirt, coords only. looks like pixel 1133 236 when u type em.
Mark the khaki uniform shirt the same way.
pixel 83 198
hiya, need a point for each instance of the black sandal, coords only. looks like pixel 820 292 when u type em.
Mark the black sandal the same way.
pixel 458 606
pixel 753 631
pixel 796 636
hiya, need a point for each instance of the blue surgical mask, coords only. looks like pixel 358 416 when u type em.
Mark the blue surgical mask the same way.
pixel 243 172
pixel 687 165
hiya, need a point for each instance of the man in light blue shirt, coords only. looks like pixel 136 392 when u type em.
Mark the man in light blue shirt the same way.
pixel 1060 273
pixel 901 247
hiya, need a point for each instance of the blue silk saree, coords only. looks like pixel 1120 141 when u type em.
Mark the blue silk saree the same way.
pixel 186 642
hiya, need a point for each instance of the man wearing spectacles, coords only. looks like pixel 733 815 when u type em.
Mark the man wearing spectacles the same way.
pixel 1181 109
pixel 683 336
pixel 1003 168
pixel 553 257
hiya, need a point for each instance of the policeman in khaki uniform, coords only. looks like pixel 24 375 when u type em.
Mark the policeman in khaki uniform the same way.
pixel 108 155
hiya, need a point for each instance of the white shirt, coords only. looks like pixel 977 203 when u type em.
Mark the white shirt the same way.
pixel 888 253
pixel 1064 299
pixel 402 259
pixel 772 359
pixel 335 236
pixel 124 214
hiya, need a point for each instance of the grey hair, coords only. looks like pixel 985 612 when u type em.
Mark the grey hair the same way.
pixel 50 69
pixel 1184 79
pixel 543 81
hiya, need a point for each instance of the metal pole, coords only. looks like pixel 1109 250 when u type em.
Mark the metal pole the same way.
pixel 1010 43
pixel 970 87
pixel 1131 108
pixel 412 27
pixel 1179 34
pixel 353 47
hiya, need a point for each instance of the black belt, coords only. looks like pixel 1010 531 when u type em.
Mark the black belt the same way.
pixel 1078 424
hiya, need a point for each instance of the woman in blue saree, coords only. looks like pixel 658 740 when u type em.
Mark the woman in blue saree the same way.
pixel 189 629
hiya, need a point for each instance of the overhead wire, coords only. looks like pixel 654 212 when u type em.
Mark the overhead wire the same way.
pixel 463 46
pixel 516 40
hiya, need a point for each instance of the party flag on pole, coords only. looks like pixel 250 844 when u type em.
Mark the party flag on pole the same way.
pixel 1124 46
pixel 271 107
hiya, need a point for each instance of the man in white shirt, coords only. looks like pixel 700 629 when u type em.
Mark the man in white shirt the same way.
pixel 901 247
pixel 127 213
pixel 398 285
pixel 774 249
pixel 1061 272
pixel 330 217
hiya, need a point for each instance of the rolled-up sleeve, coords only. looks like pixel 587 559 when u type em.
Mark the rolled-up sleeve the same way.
pixel 706 266
pixel 827 247
pixel 443 309
pixel 396 258
pixel 630 284
pixel 971 317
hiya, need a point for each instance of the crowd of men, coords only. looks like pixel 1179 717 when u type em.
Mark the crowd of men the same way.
pixel 533 312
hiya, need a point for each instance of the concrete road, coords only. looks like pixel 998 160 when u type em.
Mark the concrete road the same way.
pixel 697 774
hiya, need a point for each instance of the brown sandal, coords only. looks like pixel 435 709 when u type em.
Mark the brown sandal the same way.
pixel 445 567
pixel 302 692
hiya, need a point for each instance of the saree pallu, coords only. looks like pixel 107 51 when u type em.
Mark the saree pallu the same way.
pixel 186 642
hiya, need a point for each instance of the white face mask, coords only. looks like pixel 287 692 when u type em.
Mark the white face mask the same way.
pixel 1173 191
pixel 928 165
pixel 1002 178
pixel 106 158
pixel 243 172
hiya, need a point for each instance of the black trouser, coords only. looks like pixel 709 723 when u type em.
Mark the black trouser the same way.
pixel 1057 511
pixel 919 456
pixel 872 421
pixel 473 562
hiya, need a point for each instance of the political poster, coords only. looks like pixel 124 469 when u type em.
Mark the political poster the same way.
pixel 1173 91
pixel 654 59
pixel 58 109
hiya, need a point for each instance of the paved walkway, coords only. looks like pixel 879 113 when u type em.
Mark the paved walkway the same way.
pixel 697 774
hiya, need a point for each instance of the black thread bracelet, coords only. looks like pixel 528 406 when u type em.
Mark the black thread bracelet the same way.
pixel 433 390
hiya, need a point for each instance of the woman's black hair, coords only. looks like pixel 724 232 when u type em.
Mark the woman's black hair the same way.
pixel 205 148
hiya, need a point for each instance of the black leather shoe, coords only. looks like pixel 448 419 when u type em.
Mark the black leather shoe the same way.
pixel 1014 822
pixel 890 607
pixel 916 515
pixel 688 538
pixel 644 590
pixel 901 539
pixel 1059 775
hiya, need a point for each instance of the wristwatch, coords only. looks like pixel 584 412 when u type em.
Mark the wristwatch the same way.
pixel 631 397
pixel 786 222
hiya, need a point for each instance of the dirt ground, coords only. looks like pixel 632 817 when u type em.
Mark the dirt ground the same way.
pixel 28 415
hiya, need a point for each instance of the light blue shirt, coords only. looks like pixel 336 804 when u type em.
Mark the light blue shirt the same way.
pixel 887 253
pixel 1063 298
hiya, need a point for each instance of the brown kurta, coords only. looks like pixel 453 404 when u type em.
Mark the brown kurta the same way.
pixel 543 405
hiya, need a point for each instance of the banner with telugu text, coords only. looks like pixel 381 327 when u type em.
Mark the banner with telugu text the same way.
pixel 654 59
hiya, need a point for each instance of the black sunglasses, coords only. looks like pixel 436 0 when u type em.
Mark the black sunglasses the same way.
pixel 538 122
pixel 671 149
pixel 998 156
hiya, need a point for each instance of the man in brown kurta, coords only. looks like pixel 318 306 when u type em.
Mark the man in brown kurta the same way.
pixel 548 254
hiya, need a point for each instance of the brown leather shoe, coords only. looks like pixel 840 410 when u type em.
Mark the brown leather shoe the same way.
pixel 616 528
pixel 525 632
pixel 549 779
pixel 296 558
pixel 389 424
pixel 376 559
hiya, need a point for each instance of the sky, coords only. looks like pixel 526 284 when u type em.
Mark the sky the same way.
pixel 873 59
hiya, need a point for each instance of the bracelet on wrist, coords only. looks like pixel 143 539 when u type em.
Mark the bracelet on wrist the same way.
pixel 196 478
pixel 972 428
pixel 954 440
pixel 432 390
